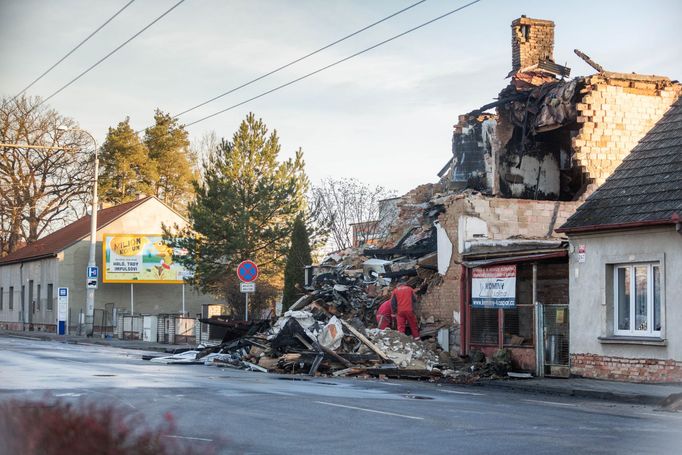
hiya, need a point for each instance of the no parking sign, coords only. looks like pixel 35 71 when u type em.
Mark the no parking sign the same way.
pixel 247 271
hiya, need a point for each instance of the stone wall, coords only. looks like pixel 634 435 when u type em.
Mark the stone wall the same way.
pixel 615 112
pixel 532 41
pixel 626 369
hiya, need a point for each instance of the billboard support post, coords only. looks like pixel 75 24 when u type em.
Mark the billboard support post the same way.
pixel 132 300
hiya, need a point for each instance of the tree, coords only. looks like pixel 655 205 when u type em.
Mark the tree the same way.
pixel 46 182
pixel 297 258
pixel 245 207
pixel 125 171
pixel 168 147
pixel 345 202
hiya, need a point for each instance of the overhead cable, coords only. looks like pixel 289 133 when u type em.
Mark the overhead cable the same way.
pixel 73 50
pixel 299 59
pixel 279 87
pixel 112 52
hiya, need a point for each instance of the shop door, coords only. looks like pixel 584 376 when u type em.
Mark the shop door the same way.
pixel 556 340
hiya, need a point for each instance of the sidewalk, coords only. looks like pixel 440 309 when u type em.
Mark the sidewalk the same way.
pixel 114 342
pixel 623 392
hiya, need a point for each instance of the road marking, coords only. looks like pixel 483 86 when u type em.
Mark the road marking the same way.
pixel 463 393
pixel 371 410
pixel 175 436
pixel 551 402
pixel 70 394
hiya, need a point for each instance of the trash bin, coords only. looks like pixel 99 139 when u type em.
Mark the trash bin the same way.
pixel 553 349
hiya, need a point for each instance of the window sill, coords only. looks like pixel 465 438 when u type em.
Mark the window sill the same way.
pixel 648 341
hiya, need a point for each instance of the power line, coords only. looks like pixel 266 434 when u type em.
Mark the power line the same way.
pixel 73 50
pixel 112 52
pixel 298 59
pixel 279 87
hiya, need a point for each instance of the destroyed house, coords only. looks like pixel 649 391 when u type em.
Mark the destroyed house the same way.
pixel 625 262
pixel 520 167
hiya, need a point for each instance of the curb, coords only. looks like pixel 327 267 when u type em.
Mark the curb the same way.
pixel 654 400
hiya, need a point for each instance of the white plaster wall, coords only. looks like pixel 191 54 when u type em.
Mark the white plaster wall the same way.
pixel 42 272
pixel 148 298
pixel 591 311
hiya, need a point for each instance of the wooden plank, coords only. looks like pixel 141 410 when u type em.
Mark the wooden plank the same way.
pixel 333 355
pixel 364 339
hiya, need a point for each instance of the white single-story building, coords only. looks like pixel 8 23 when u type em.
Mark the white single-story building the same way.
pixel 30 277
pixel 625 265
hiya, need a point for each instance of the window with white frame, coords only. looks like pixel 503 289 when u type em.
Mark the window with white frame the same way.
pixel 637 300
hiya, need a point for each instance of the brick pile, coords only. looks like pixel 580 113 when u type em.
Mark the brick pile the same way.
pixel 625 369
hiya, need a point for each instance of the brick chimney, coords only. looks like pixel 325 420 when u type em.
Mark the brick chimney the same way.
pixel 532 42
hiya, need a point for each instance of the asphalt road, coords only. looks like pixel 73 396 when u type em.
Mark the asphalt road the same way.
pixel 259 413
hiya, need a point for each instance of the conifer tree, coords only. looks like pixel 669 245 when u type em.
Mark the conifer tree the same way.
pixel 245 208
pixel 297 258
pixel 125 169
pixel 168 147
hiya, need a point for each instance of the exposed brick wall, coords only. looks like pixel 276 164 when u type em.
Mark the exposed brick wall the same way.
pixel 615 112
pixel 532 41
pixel 522 218
pixel 625 369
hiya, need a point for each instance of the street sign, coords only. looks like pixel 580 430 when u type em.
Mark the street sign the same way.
pixel 247 271
pixel 91 284
pixel 247 287
pixel 62 309
pixel 93 272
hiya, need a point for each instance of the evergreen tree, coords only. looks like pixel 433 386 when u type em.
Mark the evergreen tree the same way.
pixel 297 258
pixel 125 169
pixel 245 207
pixel 168 148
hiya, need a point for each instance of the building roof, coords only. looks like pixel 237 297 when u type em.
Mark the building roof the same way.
pixel 52 244
pixel 646 189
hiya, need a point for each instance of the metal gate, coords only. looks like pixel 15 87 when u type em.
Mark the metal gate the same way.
pixel 553 346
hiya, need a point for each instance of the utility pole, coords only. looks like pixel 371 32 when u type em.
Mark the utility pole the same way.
pixel 90 291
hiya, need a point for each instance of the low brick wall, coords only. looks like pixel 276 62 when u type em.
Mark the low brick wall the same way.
pixel 32 327
pixel 625 369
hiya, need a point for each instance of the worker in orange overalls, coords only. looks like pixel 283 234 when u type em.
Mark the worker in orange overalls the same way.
pixel 385 315
pixel 403 299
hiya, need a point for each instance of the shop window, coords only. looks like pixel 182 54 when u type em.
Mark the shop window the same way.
pixel 637 300
pixel 484 326
pixel 518 325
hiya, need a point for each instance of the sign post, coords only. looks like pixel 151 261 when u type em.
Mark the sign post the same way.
pixel 92 277
pixel 62 310
pixel 247 272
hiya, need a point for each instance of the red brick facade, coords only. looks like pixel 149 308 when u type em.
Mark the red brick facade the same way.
pixel 624 369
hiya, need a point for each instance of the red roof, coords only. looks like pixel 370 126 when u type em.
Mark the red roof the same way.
pixel 59 240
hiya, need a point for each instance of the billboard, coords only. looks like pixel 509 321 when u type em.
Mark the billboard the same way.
pixel 494 287
pixel 140 258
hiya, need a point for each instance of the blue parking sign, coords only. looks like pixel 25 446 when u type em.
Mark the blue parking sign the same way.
pixel 93 272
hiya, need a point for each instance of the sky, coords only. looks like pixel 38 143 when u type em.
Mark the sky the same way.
pixel 384 117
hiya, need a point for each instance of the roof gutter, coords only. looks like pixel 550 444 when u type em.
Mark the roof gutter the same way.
pixel 607 227
pixel 515 259
pixel 27 259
